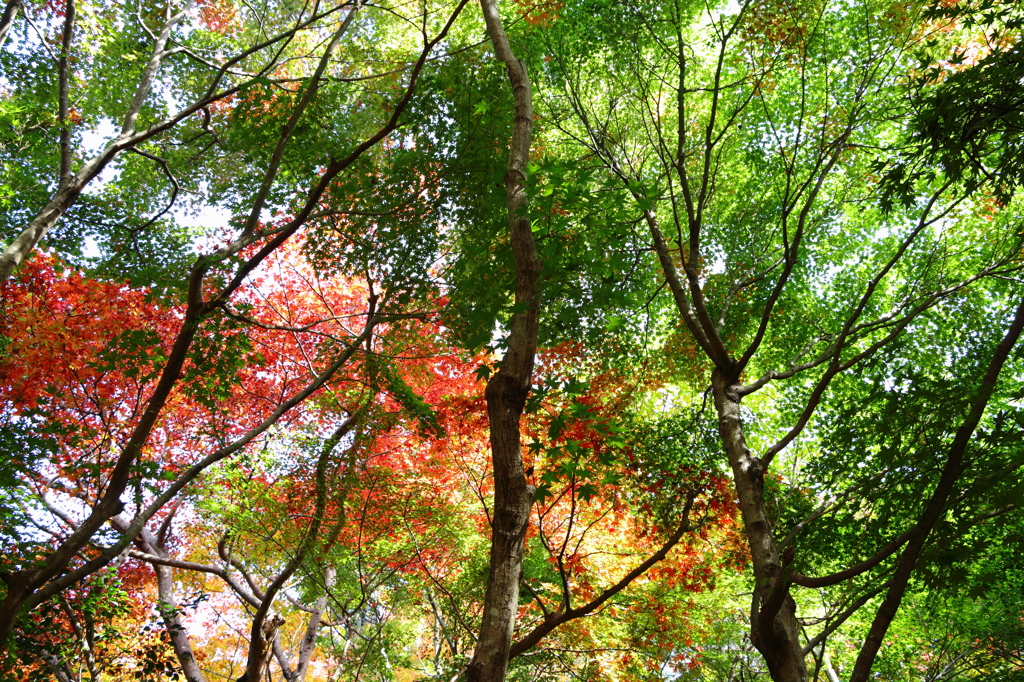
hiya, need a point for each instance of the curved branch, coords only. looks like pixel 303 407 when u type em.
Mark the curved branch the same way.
pixel 11 10
pixel 853 571
pixel 552 622
pixel 175 188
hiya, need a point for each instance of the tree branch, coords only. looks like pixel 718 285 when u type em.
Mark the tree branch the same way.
pixel 853 571
pixel 550 623
pixel 937 503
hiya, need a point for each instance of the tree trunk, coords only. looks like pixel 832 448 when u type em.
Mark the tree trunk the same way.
pixel 261 648
pixel 507 390
pixel 7 20
pixel 169 612
pixel 512 500
pixel 155 545
pixel 309 639
pixel 774 629
pixel 936 506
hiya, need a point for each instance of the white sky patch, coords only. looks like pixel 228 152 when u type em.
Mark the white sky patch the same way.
pixel 718 266
pixel 90 249
pixel 93 141
pixel 202 218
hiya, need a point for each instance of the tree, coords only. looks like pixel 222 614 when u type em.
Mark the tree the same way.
pixel 761 114
pixel 207 288
pixel 771 243
pixel 508 388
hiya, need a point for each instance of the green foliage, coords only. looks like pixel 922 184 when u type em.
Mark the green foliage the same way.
pixel 671 455
pixel 968 117
pixel 838 188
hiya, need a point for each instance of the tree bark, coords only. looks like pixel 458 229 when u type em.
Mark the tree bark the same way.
pixel 154 545
pixel 774 629
pixel 508 388
pixel 7 20
pixel 261 648
pixel 171 616
pixel 308 643
pixel 64 94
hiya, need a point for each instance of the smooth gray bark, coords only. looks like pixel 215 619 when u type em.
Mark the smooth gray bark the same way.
pixel 508 388
pixel 169 611
pixel 774 628
pixel 308 643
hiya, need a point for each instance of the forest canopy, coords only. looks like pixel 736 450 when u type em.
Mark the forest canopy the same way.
pixel 556 340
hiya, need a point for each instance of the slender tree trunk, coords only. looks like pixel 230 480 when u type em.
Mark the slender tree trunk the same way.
pixel 265 624
pixel 774 628
pixel 81 631
pixel 7 20
pixel 936 506
pixel 61 671
pixel 507 390
pixel 169 612
pixel 308 643
pixel 829 670
pixel 64 94
pixel 167 605
pixel 168 608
